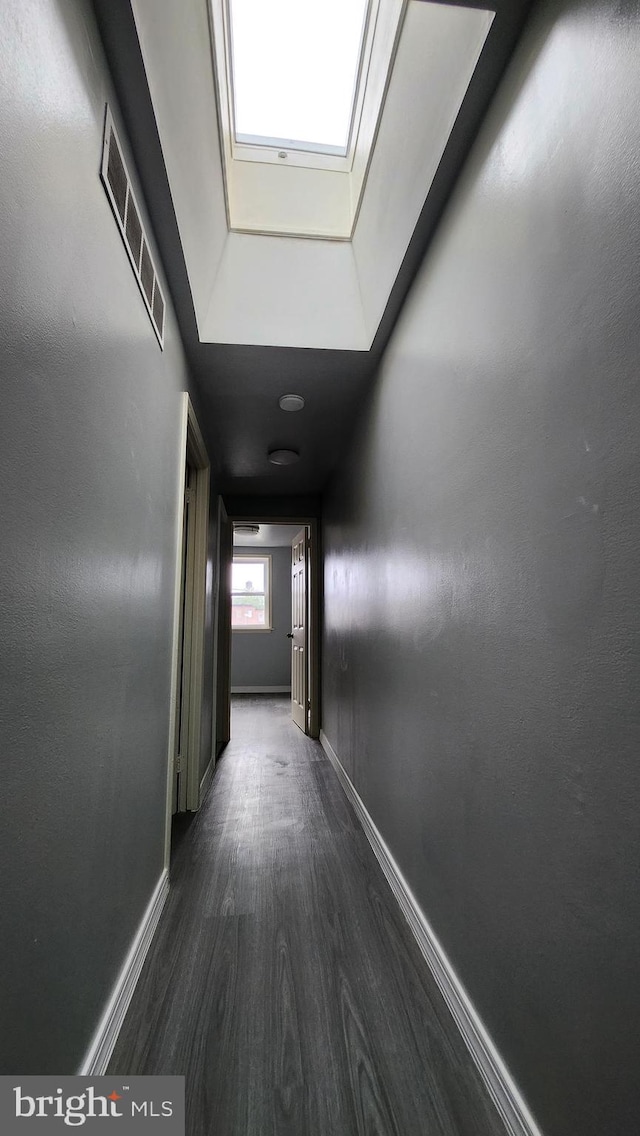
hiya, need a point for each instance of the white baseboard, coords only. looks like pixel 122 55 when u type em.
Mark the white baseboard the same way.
pixel 99 1053
pixel 499 1082
pixel 261 690
pixel 207 779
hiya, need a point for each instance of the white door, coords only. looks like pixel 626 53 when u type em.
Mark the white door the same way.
pixel 299 694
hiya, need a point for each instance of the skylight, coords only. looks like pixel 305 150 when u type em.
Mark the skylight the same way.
pixel 295 70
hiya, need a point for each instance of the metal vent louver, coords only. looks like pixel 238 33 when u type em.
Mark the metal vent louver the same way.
pixel 158 307
pixel 117 184
pixel 147 273
pixel 133 230
pixel 117 178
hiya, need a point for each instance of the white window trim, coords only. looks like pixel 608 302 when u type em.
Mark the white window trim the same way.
pixel 256 559
pixel 263 192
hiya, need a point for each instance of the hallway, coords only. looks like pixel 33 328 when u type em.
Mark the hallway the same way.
pixel 283 981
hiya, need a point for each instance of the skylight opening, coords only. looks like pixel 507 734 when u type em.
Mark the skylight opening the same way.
pixel 295 71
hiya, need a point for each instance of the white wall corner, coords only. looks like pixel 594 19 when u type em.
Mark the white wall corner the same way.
pixel 287 292
pixel 176 50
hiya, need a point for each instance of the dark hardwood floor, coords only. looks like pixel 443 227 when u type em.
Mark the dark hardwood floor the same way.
pixel 283 981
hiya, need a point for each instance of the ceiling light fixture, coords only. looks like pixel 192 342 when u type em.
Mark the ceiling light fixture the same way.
pixel 291 402
pixel 248 530
pixel 283 457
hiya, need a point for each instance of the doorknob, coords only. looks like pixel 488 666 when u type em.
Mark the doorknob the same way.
pixel 289 634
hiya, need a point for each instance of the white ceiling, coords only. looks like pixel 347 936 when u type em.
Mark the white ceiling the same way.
pixel 270 536
pixel 238 383
pixel 289 291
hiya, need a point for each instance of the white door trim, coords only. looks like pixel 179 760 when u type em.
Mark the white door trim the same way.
pixel 193 449
pixel 175 638
pixel 198 457
pixel 300 694
pixel 314 577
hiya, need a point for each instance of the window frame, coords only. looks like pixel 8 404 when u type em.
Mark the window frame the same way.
pixel 258 148
pixel 265 150
pixel 254 558
pixel 310 195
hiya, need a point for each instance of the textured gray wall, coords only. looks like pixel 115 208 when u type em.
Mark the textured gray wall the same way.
pixel 482 633
pixel 264 658
pixel 89 461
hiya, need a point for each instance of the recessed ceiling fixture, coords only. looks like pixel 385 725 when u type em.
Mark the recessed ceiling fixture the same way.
pixel 247 530
pixel 283 457
pixel 291 402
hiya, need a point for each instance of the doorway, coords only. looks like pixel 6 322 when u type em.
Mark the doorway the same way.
pixel 274 606
pixel 184 772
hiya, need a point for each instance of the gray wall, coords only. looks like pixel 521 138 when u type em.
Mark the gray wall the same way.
pixel 89 462
pixel 264 658
pixel 482 628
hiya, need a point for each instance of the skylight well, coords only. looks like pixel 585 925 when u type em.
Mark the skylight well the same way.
pixel 295 66
pixel 303 251
pixel 301 86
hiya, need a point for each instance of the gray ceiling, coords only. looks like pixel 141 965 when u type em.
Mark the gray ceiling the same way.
pixel 237 387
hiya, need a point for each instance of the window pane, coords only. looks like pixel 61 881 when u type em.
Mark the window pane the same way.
pixel 294 68
pixel 247 577
pixel 248 611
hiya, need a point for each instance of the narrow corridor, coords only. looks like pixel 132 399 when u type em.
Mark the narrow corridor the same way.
pixel 283 982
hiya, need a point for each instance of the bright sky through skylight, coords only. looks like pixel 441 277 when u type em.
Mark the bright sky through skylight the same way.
pixel 294 67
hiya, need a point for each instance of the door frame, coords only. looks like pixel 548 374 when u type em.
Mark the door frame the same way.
pixel 193 451
pixel 299 634
pixel 313 600
pixel 222 664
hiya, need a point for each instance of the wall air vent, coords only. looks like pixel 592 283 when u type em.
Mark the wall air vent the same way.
pixel 117 184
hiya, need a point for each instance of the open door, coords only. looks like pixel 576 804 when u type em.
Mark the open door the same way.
pixel 178 795
pixel 223 646
pixel 190 644
pixel 187 663
pixel 299 630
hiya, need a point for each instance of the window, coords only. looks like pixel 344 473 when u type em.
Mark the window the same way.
pixel 295 70
pixel 300 89
pixel 251 593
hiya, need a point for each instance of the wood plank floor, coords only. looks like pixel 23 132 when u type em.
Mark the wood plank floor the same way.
pixel 283 981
